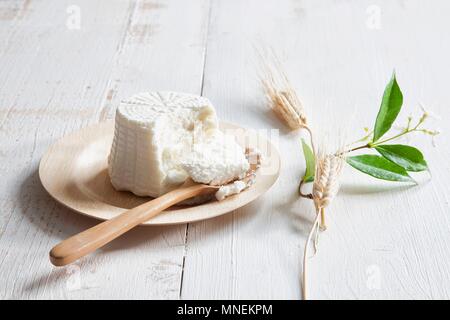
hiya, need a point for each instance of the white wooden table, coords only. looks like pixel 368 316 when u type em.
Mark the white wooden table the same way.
pixel 66 64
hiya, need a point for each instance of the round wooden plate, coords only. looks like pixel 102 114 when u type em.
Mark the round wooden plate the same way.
pixel 74 172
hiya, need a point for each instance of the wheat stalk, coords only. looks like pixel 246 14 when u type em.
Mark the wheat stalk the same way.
pixel 325 188
pixel 284 102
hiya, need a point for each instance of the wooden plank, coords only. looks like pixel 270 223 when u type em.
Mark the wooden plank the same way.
pixel 384 240
pixel 55 79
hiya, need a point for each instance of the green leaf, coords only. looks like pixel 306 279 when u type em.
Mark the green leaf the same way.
pixel 379 167
pixel 310 163
pixel 407 157
pixel 389 109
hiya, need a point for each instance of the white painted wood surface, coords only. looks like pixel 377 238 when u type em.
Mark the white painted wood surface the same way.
pixel 383 241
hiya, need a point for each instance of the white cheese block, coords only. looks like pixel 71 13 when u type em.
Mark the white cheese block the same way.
pixel 162 138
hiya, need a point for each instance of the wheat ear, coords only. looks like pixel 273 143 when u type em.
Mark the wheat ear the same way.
pixel 325 188
pixel 326 182
pixel 281 96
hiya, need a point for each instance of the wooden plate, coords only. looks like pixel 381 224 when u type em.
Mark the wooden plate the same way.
pixel 74 172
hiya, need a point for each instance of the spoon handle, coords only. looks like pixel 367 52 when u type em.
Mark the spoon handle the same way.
pixel 91 239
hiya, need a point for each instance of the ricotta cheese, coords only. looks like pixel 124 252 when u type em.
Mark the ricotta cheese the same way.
pixel 163 138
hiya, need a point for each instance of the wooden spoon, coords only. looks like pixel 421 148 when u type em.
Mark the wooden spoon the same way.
pixel 91 239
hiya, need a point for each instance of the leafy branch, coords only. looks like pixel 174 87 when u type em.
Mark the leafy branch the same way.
pixel 394 161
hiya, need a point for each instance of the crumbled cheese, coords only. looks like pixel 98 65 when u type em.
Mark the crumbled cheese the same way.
pixel 217 160
pixel 230 189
